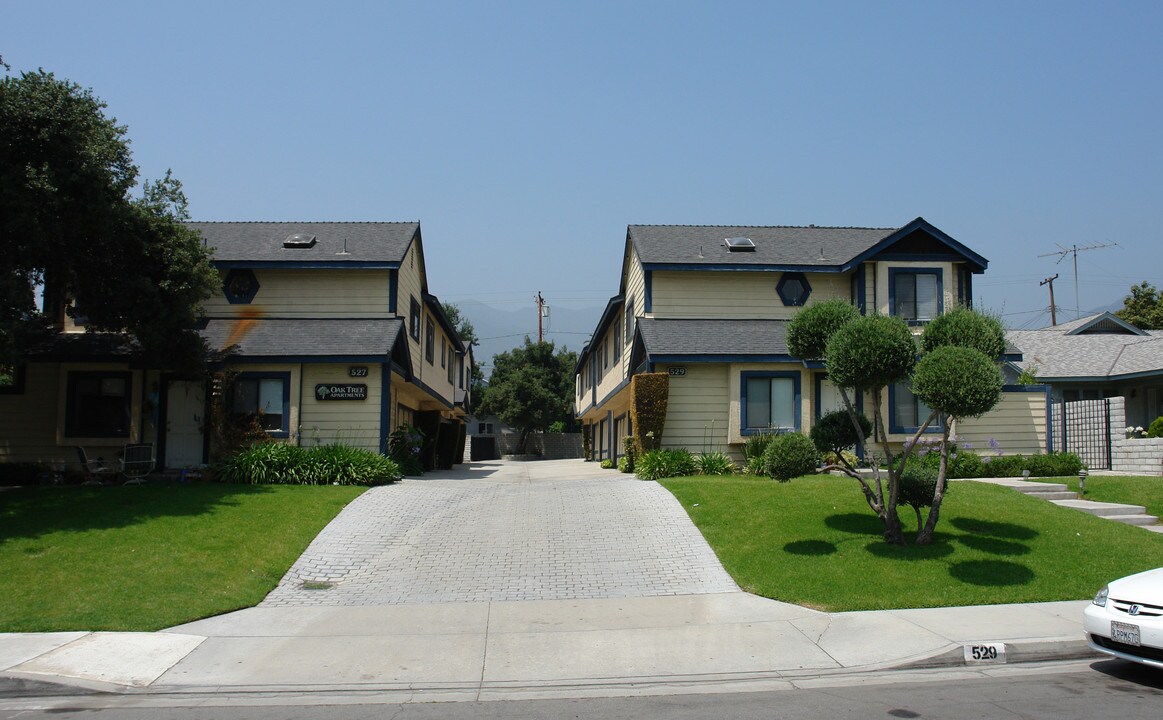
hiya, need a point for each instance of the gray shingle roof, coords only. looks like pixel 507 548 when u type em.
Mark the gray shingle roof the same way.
pixel 263 241
pixel 813 247
pixel 664 337
pixel 304 337
pixel 703 244
pixel 1059 356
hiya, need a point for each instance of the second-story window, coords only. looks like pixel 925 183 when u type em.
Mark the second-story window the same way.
pixel 452 370
pixel 915 295
pixel 430 341
pixel 617 340
pixel 443 351
pixel 414 320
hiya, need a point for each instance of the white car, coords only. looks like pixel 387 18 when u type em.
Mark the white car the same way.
pixel 1125 619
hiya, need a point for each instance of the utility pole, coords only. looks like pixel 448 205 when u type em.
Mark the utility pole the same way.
pixel 1074 249
pixel 540 314
pixel 1053 310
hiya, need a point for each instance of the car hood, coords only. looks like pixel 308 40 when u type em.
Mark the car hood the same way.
pixel 1141 587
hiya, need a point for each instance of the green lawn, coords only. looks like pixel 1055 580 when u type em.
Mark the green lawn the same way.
pixel 153 556
pixel 1146 491
pixel 814 542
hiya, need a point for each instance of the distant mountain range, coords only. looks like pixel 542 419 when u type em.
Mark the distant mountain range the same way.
pixel 501 330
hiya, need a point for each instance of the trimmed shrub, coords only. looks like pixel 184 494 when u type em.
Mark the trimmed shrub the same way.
pixel 607 464
pixel 624 464
pixel 649 393
pixel 809 330
pixel 279 464
pixel 658 464
pixel 833 433
pixel 715 463
pixel 753 451
pixel 918 482
pixel 790 455
pixel 629 453
pixel 965 327
pixel 1003 466
pixel 1053 465
pixel 1156 428
pixel 870 352
pixel 958 381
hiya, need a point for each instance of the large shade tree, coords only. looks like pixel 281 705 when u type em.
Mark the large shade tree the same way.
pixel 531 387
pixel 957 376
pixel 1143 308
pixel 74 230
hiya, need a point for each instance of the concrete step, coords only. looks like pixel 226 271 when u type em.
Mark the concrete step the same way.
pixel 1056 495
pixel 1153 528
pixel 1102 509
pixel 1134 519
pixel 1037 488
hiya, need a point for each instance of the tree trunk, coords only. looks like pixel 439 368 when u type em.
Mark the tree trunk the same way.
pixel 925 535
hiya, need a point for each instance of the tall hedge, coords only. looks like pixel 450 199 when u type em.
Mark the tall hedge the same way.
pixel 649 393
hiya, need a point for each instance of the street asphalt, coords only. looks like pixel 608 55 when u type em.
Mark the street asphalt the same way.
pixel 525 580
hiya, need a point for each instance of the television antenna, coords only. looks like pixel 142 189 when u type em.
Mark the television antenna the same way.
pixel 1063 251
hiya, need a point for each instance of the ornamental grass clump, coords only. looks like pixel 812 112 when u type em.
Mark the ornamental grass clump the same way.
pixel 274 463
pixel 715 463
pixel 656 464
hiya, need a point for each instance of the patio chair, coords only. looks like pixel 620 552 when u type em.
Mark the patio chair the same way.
pixel 97 472
pixel 137 462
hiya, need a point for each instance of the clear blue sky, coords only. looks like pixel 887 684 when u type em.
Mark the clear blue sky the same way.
pixel 526 136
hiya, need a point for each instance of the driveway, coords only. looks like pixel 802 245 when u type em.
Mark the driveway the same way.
pixel 493 531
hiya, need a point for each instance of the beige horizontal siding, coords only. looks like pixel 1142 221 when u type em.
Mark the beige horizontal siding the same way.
pixel 312 294
pixel 355 423
pixel 1017 422
pixel 735 295
pixel 696 412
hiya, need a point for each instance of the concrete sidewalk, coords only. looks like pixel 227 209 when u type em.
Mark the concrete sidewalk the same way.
pixel 548 648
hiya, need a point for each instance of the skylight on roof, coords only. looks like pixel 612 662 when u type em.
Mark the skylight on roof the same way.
pixel 739 244
pixel 299 240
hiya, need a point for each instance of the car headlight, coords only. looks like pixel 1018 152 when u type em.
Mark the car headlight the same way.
pixel 1101 595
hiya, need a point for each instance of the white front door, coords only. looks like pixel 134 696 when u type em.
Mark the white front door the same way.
pixel 185 408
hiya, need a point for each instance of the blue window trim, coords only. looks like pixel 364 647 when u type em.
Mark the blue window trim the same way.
pixel 241 295
pixel 414 318
pixel 894 429
pixel 861 299
pixel 892 275
pixel 753 374
pixel 285 430
pixel 393 290
pixel 797 300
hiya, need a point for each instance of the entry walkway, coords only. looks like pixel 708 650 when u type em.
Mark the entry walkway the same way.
pixel 495 531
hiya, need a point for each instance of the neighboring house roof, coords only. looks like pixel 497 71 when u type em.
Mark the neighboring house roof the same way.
pixel 1092 348
pixel 681 338
pixel 812 248
pixel 337 244
pixel 329 338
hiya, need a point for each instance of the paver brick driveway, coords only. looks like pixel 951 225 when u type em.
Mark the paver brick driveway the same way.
pixel 549 530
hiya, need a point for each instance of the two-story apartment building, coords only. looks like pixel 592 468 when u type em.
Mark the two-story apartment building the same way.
pixel 326 331
pixel 709 305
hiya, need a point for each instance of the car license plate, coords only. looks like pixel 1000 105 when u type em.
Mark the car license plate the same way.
pixel 1125 633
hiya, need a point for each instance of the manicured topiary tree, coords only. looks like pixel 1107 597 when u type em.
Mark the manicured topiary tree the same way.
pixel 958 382
pixel 870 353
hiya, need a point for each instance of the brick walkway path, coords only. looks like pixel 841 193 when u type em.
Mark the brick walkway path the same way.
pixel 548 530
